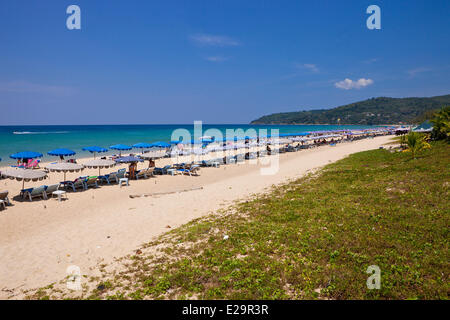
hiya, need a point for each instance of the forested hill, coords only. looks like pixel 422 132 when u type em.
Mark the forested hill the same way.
pixel 373 111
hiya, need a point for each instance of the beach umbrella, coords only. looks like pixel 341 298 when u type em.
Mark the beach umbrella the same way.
pixel 155 154
pixel 160 144
pixel 99 164
pixel 23 175
pixel 61 152
pixel 128 159
pixel 151 155
pixel 120 147
pixel 64 167
pixel 26 155
pixel 142 146
pixel 95 149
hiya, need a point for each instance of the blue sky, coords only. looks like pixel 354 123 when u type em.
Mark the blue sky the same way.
pixel 217 61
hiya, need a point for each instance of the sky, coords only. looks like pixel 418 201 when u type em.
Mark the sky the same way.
pixel 173 62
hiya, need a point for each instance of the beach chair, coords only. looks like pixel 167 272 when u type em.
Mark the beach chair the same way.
pixel 76 184
pixel 191 170
pixel 229 159
pixel 36 192
pixel 240 158
pixel 50 189
pixel 34 164
pixel 145 173
pixel 219 161
pixel 4 198
pixel 120 174
pixel 91 182
pixel 108 178
pixel 162 170
pixel 22 165
pixel 210 163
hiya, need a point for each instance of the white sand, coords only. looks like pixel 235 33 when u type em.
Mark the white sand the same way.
pixel 40 239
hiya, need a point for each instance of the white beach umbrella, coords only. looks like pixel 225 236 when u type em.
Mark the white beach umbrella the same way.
pixel 99 164
pixel 64 167
pixel 23 175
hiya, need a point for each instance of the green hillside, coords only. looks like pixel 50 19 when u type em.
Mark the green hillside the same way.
pixel 373 111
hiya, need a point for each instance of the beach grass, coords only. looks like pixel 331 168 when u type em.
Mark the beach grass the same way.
pixel 312 238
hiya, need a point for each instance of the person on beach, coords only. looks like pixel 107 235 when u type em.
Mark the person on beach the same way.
pixel 132 170
pixel 151 163
pixel 269 151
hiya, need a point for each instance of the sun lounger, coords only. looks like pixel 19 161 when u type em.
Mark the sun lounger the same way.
pixel 23 191
pixel 218 160
pixel 145 173
pixel 76 184
pixel 192 170
pixel 34 164
pixel 240 158
pixel 210 163
pixel 4 197
pixel 50 189
pixel 109 178
pixel 229 160
pixel 121 174
pixel 36 192
pixel 178 165
pixel 162 170
pixel 91 182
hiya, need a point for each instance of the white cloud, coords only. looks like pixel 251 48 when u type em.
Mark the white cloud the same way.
pixel 414 72
pixel 216 59
pixel 214 40
pixel 311 67
pixel 348 84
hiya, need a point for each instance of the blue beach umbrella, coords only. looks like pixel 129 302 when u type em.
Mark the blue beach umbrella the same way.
pixel 26 155
pixel 160 144
pixel 142 146
pixel 95 149
pixel 120 147
pixel 61 153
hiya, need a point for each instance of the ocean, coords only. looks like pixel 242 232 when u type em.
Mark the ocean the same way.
pixel 45 138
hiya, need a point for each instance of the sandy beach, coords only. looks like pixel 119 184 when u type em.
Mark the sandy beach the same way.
pixel 40 239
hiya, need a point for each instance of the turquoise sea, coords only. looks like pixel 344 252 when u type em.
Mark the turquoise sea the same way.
pixel 45 138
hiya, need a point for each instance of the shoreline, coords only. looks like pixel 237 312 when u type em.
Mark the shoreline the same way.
pixel 45 138
pixel 97 226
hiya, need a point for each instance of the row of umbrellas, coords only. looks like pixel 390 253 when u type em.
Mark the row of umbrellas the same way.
pixel 94 149
pixel 21 174
pixel 25 175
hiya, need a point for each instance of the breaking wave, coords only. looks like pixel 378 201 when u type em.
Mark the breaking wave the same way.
pixel 40 132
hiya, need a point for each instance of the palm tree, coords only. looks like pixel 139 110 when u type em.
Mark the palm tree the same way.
pixel 416 143
pixel 441 124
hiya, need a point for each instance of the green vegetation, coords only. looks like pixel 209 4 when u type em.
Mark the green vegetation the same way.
pixel 441 124
pixel 416 143
pixel 373 111
pixel 313 238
